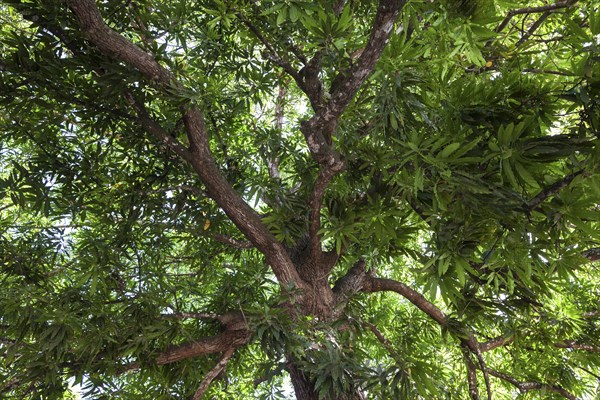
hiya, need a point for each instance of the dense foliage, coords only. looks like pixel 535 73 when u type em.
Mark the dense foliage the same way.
pixel 337 199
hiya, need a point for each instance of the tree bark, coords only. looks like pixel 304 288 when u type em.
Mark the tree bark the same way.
pixel 303 387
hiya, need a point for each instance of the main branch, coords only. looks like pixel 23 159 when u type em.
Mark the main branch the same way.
pixel 319 130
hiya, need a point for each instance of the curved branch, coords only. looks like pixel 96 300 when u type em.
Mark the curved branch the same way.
pixel 527 386
pixel 384 284
pixel 113 44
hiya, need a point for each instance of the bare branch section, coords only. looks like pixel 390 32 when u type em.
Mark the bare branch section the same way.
pixel 551 191
pixel 531 10
pixel 384 284
pixel 243 216
pixel 527 386
pixel 471 375
pixel 213 373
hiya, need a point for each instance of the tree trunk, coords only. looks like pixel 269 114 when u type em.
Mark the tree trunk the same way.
pixel 303 387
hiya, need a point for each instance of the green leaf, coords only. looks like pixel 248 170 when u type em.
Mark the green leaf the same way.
pixel 448 150
pixel 282 16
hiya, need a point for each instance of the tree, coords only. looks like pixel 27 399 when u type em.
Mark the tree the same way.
pixel 231 199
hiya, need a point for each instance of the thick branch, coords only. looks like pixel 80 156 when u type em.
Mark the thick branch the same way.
pixel 242 215
pixel 213 373
pixel 319 130
pixel 345 85
pixel 113 44
pixel 383 284
pixel 527 386
pixel 358 280
pixel 471 375
pixel 231 338
pixel 495 343
pixel 208 345
pixel 571 344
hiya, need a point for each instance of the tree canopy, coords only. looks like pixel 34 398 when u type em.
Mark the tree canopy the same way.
pixel 232 199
